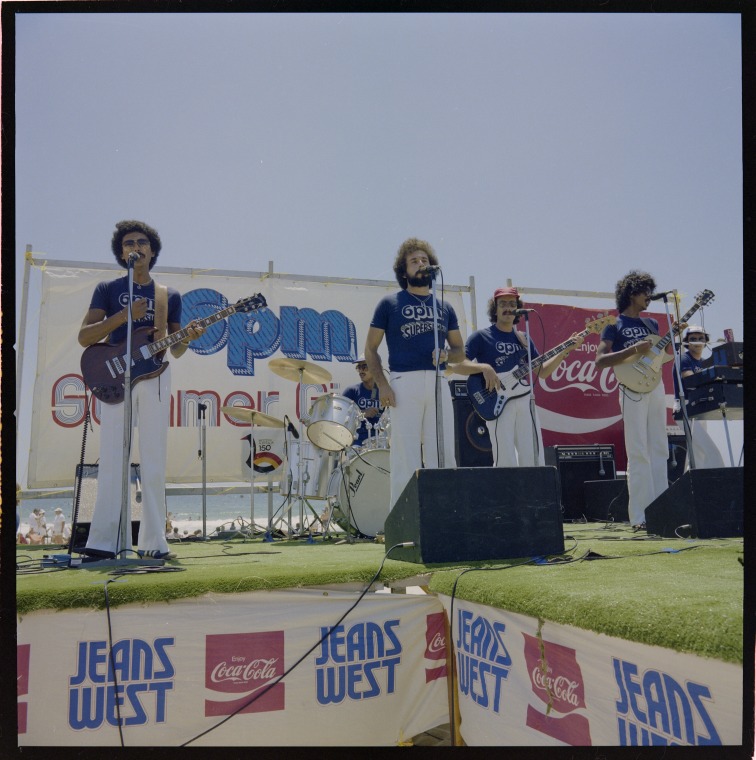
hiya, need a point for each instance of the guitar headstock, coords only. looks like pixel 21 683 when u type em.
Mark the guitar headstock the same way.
pixel 598 324
pixel 703 298
pixel 250 303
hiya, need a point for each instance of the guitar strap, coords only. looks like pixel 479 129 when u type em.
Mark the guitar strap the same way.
pixel 161 311
pixel 522 338
pixel 649 324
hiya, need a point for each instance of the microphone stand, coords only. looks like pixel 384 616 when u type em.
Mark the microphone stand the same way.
pixel 531 394
pixel 439 411
pixel 683 405
pixel 124 538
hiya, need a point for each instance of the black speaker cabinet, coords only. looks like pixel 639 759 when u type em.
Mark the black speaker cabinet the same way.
pixel 575 465
pixel 606 500
pixel 701 504
pixel 472 443
pixel 86 481
pixel 477 513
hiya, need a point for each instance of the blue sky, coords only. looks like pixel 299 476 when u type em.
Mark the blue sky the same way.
pixel 558 150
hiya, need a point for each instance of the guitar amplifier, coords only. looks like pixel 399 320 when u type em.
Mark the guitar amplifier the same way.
pixel 576 465
pixel 472 443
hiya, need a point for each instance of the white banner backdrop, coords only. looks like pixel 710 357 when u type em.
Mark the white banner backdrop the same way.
pixel 521 682
pixel 316 320
pixel 184 667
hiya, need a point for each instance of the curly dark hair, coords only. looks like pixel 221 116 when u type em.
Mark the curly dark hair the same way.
pixel 491 310
pixel 132 225
pixel 400 262
pixel 631 284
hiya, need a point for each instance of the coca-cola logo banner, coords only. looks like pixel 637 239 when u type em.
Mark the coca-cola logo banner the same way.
pixel 579 404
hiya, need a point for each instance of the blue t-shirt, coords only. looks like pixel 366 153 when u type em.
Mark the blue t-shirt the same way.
pixel 502 350
pixel 112 296
pixel 687 364
pixel 407 322
pixel 365 399
pixel 627 331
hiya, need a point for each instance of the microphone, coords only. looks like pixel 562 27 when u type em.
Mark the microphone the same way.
pixel 429 269
pixel 518 312
pixel 659 296
pixel 134 256
pixel 291 428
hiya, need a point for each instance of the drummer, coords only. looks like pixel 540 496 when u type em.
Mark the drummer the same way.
pixel 365 395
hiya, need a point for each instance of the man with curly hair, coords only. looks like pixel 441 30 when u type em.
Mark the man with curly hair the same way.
pixel 644 415
pixel 106 320
pixel 406 319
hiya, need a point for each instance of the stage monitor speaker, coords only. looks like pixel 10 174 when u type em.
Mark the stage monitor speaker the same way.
pixel 472 443
pixel 606 500
pixel 701 504
pixel 86 474
pixel 576 465
pixel 477 513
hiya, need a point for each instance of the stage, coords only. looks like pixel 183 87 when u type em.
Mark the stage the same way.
pixel 632 639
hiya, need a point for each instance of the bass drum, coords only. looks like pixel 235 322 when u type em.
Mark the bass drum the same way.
pixel 363 484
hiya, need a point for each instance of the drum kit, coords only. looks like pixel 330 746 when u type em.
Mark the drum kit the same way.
pixel 354 481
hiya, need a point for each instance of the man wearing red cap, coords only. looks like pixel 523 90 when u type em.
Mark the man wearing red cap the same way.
pixel 406 319
pixel 495 350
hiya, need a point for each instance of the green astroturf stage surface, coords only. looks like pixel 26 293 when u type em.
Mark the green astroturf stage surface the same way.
pixel 680 594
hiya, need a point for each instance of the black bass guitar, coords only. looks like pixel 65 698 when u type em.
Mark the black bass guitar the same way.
pixel 515 383
pixel 103 365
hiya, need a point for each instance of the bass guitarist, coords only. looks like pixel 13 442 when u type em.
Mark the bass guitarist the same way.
pixel 644 415
pixel 498 349
pixel 156 306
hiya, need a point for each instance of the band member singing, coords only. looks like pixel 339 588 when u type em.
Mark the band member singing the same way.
pixel 151 397
pixel 644 415
pixel 406 319
pixel 494 351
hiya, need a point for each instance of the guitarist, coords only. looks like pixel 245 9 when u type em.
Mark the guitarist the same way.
pixel 498 349
pixel 644 415
pixel 151 397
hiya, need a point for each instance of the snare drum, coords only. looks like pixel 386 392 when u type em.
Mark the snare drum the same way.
pixel 364 485
pixel 332 422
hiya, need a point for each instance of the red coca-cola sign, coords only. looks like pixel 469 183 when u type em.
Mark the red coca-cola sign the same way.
pixel 579 405
pixel 244 664
pixel 435 646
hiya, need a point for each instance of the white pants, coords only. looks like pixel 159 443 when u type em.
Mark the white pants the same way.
pixel 151 405
pixel 512 433
pixel 706 454
pixel 413 427
pixel 644 417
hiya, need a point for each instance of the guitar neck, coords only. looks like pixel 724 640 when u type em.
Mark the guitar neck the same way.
pixel 179 335
pixel 520 372
pixel 667 339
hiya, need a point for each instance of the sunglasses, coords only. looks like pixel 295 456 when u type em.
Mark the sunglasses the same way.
pixel 360 367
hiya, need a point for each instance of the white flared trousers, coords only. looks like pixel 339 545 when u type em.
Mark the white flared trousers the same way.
pixel 151 405
pixel 414 429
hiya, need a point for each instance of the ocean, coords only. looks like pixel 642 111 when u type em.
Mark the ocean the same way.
pixel 223 511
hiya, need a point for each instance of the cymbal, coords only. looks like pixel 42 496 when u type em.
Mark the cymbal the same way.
pixel 289 369
pixel 246 414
